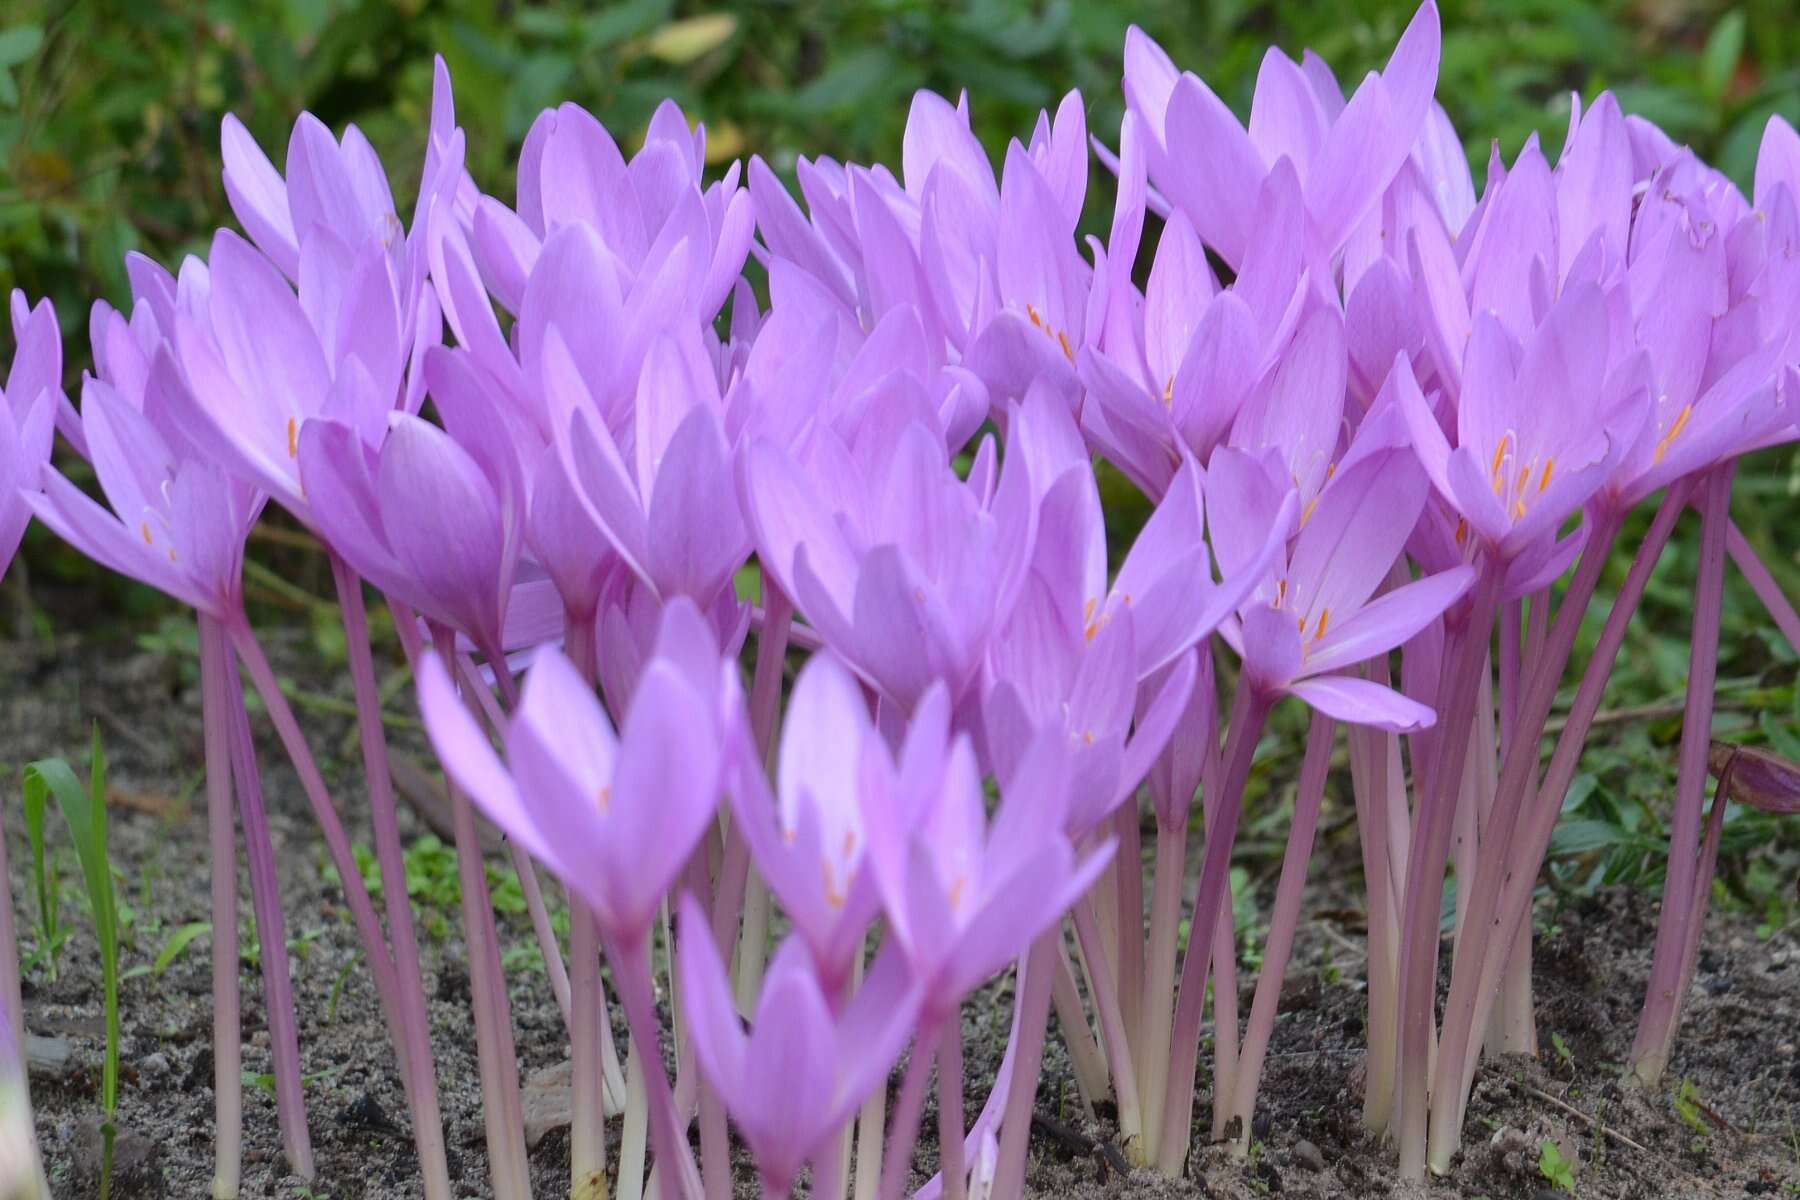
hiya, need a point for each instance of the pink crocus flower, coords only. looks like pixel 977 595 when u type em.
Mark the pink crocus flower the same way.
pixel 1211 166
pixel 806 1065
pixel 29 406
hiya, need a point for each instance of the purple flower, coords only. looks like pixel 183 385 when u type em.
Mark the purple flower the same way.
pixel 1530 446
pixel 904 569
pixel 1316 614
pixel 614 817
pixel 1211 167
pixel 804 1068
pixel 809 839
pixel 962 896
pixel 29 407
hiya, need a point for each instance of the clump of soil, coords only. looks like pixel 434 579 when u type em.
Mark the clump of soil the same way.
pixel 1736 1133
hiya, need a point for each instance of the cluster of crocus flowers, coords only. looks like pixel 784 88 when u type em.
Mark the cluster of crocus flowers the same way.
pixel 1389 451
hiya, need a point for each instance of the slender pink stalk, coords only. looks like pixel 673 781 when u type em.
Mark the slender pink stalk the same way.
pixel 1249 711
pixel 529 887
pixel 587 1016
pixel 908 1113
pixel 950 1109
pixel 271 929
pixel 1763 583
pixel 632 975
pixel 765 704
pixel 228 1095
pixel 1107 998
pixel 1503 894
pixel 1092 1080
pixel 1021 1093
pixel 1709 861
pixel 420 1080
pixel 1663 1001
pixel 502 1109
pixel 356 896
pixel 1225 1007
pixel 1465 649
pixel 1128 868
pixel 771 660
pixel 1368 760
pixel 1158 998
pixel 1283 919
pixel 715 1145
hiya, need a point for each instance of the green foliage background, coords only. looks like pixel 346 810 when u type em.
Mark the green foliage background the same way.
pixel 109 121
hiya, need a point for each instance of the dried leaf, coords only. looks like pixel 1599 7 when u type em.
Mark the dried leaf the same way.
pixel 683 41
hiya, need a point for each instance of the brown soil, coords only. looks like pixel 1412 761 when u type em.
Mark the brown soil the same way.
pixel 1736 1046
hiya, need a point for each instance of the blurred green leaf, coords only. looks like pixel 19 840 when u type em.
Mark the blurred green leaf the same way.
pixel 18 43
pixel 1724 48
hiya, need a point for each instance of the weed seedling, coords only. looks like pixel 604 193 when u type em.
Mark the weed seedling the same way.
pixel 85 811
pixel 1558 1171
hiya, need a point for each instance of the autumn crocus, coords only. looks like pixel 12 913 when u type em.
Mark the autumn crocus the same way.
pixel 1346 151
pixel 1310 621
pixel 28 413
pixel 903 568
pixel 572 173
pixel 179 524
pixel 616 817
pixel 803 1068
pixel 962 896
pixel 809 839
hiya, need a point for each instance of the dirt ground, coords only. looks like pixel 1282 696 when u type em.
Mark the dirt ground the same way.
pixel 1736 1049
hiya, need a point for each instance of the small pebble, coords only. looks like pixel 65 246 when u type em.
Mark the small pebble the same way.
pixel 1786 1049
pixel 153 1065
pixel 1308 1156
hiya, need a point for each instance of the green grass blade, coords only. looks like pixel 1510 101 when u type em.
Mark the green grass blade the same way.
pixel 84 809
pixel 178 941
pixel 37 794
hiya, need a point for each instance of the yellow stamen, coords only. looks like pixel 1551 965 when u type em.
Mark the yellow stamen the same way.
pixel 1462 529
pixel 172 554
pixel 145 530
pixel 849 842
pixel 956 890
pixel 1062 339
pixel 603 798
pixel 293 433
pixel 1087 737
pixel 1549 466
pixel 1280 593
pixel 833 897
pixel 1307 512
pixel 1324 620
pixel 1169 392
pixel 1681 420
pixel 1499 452
pixel 1032 312
pixel 1524 478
